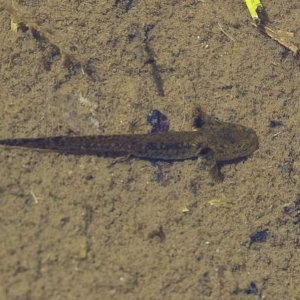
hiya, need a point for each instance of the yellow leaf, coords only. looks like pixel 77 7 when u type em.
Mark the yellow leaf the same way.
pixel 254 6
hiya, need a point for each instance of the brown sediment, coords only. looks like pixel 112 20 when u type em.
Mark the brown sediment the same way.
pixel 22 20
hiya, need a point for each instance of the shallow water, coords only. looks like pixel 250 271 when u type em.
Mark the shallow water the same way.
pixel 87 227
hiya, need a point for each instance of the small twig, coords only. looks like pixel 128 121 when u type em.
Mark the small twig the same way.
pixel 284 38
pixel 276 134
pixel 35 198
pixel 228 35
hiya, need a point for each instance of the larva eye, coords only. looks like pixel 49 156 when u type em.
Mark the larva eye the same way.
pixel 204 151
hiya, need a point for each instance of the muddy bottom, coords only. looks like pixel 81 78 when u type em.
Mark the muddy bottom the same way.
pixel 86 227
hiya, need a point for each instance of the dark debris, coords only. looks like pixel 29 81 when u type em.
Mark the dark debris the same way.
pixel 259 236
pixel 251 289
pixel 158 121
